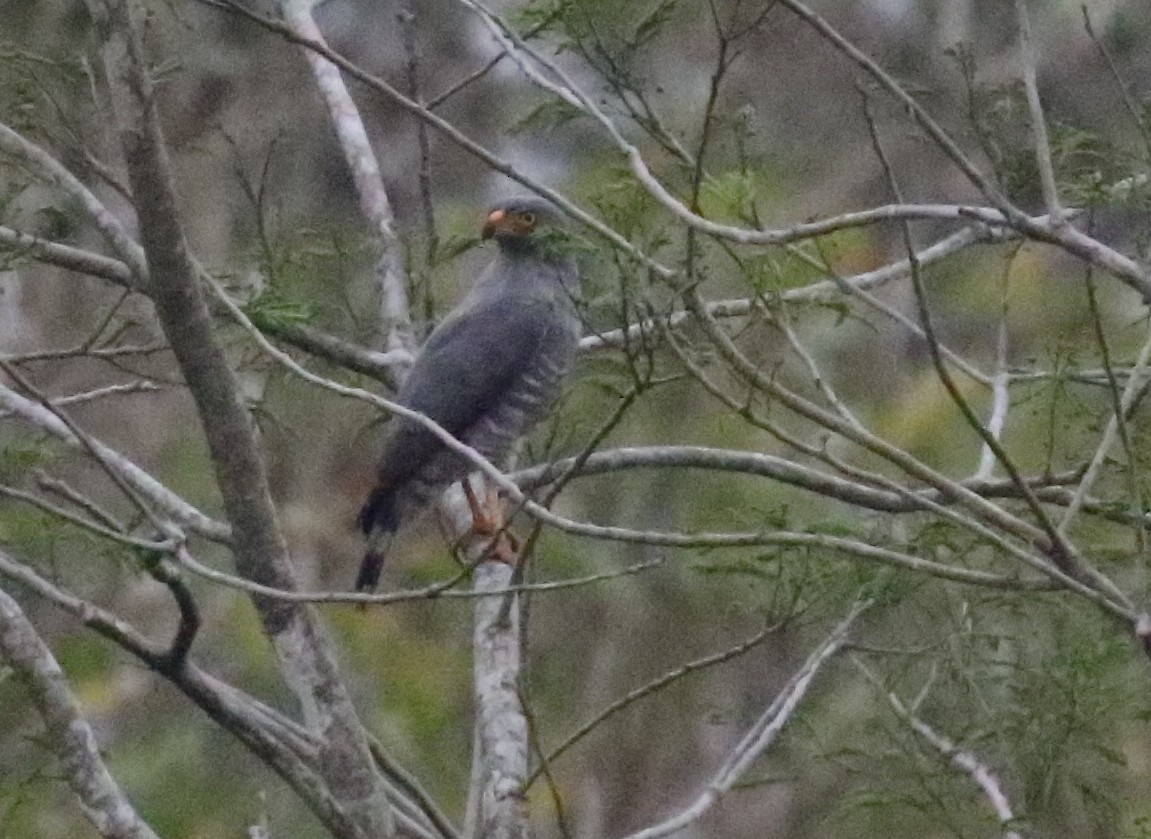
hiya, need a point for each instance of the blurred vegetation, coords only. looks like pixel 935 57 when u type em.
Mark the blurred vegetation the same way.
pixel 1040 686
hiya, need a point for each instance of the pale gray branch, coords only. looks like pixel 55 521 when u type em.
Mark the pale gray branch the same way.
pixel 763 465
pixel 306 660
pixel 1000 400
pixel 761 735
pixel 962 759
pixel 502 725
pixel 48 167
pixel 67 732
pixel 1054 232
pixel 98 393
pixel 369 184
pixel 1028 59
pixel 432 592
pixel 831 288
pixel 143 483
pixel 290 750
pixel 66 256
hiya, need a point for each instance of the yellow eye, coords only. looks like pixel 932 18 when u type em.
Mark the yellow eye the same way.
pixel 528 218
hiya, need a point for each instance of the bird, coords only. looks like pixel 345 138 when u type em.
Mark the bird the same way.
pixel 488 373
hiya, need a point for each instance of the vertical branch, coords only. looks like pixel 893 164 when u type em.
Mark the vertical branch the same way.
pixel 1132 107
pixel 365 172
pixel 1136 381
pixel 305 657
pixel 407 18
pixel 497 806
pixel 1119 414
pixel 503 726
pixel 69 735
pixel 1000 393
pixel 1038 123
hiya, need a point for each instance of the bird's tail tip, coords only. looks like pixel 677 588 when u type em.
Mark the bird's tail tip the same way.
pixel 372 564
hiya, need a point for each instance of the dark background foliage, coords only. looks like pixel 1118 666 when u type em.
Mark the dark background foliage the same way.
pixel 1041 685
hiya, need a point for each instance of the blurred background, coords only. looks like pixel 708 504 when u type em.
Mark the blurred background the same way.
pixel 1044 689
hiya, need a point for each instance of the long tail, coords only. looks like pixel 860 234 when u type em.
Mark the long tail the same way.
pixel 378 521
pixel 379 540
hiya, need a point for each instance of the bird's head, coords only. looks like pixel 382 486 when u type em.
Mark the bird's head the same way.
pixel 527 225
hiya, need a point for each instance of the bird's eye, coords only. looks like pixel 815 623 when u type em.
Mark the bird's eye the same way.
pixel 528 218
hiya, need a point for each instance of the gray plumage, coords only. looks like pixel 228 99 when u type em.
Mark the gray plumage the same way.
pixel 488 373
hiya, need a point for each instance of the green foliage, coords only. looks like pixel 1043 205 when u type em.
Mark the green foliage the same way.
pixel 1087 165
pixel 35 89
pixel 1035 713
pixel 611 37
pixel 731 195
pixel 801 583
pixel 453 247
pixel 272 307
pixel 546 117
pixel 20 456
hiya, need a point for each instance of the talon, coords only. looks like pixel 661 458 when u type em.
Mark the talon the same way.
pixel 487 399
pixel 488 520
pixel 480 521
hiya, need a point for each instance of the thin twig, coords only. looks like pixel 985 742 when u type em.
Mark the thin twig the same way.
pixel 1061 551
pixel 962 759
pixel 66 731
pixel 1135 382
pixel 1000 393
pixel 762 734
pixel 1028 58
pixel 365 170
pixel 1118 413
pixel 544 767
pixel 171 504
pixel 436 591
pixel 55 486
pixel 95 451
pixel 649 689
pixel 1134 110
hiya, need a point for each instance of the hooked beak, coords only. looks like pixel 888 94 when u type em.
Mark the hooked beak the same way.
pixel 494 223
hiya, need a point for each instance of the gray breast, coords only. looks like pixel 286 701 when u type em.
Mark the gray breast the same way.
pixel 525 401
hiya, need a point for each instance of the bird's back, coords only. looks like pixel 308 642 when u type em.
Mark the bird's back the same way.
pixel 486 375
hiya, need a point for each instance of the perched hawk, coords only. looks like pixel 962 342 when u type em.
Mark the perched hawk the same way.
pixel 486 374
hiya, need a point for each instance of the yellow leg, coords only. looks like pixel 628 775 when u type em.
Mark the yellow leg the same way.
pixel 488 520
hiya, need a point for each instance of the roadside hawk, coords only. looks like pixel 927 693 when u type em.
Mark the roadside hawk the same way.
pixel 488 373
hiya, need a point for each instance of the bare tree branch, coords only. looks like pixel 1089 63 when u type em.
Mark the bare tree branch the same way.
pixel 374 202
pixel 759 738
pixel 70 736
pixel 1135 383
pixel 1061 551
pixel 1065 236
pixel 651 688
pixel 1028 59
pixel 74 259
pixel 48 167
pixel 962 759
pixel 290 750
pixel 171 504
pixel 500 718
pixel 306 660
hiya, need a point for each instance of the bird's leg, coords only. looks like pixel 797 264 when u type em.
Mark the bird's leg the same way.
pixel 479 517
pixel 496 503
pixel 488 520
pixel 507 547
